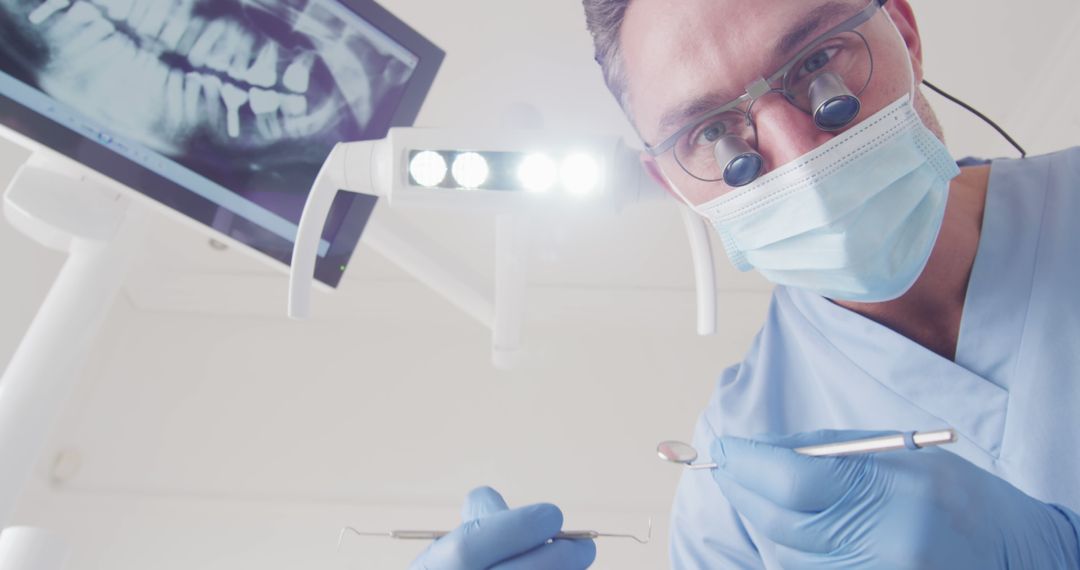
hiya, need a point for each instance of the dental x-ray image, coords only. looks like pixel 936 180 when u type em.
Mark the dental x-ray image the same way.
pixel 250 94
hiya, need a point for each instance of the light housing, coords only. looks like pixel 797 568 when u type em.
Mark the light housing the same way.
pixel 547 167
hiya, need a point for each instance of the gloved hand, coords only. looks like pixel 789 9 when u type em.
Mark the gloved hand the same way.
pixel 924 508
pixel 495 537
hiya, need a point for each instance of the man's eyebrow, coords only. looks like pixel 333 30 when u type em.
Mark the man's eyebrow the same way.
pixel 795 37
pixel 676 117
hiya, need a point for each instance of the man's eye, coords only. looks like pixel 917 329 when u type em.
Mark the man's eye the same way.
pixel 709 133
pixel 817 61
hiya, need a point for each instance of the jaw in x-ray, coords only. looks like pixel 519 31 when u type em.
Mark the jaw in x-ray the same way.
pixel 250 93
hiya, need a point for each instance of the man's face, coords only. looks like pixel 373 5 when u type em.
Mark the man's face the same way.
pixel 683 56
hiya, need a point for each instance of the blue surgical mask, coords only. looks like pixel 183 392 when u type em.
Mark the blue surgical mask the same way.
pixel 854 219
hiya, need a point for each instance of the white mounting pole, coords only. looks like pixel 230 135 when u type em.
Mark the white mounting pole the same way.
pixel 510 253
pixel 85 218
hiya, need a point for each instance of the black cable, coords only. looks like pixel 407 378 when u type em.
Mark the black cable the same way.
pixel 975 111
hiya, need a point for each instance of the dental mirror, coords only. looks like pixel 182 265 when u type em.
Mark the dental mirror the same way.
pixel 679 452
pixel 684 453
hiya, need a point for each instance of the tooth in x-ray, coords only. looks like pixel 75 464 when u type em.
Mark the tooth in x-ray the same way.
pixel 174 101
pixel 86 37
pixel 265 103
pixel 114 48
pixel 118 9
pixel 175 26
pixel 269 126
pixel 298 75
pixel 212 95
pixel 200 52
pixel 149 16
pixel 264 71
pixel 223 50
pixel 74 19
pixel 234 98
pixel 295 105
pixel 193 87
pixel 150 71
pixel 191 32
pixel 202 99
pixel 46 9
pixel 241 56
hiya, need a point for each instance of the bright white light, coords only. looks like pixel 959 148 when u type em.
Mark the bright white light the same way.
pixel 537 173
pixel 580 174
pixel 428 168
pixel 470 170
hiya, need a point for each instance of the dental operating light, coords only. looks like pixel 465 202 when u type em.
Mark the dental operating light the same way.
pixel 513 174
pixel 502 171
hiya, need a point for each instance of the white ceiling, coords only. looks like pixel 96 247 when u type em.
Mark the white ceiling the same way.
pixel 210 432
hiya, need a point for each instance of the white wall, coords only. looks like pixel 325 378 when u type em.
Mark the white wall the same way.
pixel 210 432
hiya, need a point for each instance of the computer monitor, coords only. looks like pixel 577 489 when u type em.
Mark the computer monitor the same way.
pixel 222 110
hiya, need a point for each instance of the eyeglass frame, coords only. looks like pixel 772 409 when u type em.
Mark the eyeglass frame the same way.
pixel 761 87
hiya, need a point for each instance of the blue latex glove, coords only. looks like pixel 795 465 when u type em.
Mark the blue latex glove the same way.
pixel 924 508
pixel 496 537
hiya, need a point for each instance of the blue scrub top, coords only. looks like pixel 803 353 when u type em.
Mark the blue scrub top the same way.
pixel 1012 394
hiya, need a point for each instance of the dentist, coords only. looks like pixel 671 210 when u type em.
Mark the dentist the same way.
pixel 912 290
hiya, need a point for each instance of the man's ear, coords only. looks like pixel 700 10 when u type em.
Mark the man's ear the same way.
pixel 653 170
pixel 904 17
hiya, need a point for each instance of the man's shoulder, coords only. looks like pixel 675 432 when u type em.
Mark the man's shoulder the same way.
pixel 1067 154
pixel 1064 162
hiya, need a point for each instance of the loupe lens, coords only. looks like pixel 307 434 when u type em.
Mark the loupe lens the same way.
pixel 743 170
pixel 837 112
pixel 742 164
pixel 834 105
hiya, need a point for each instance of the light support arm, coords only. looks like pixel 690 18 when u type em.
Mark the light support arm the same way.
pixel 510 260
pixel 356 167
pixel 697 231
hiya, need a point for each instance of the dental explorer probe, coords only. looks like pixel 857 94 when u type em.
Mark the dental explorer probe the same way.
pixel 684 453
pixel 436 534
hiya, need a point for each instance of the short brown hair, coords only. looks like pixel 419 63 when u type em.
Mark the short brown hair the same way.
pixel 604 20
